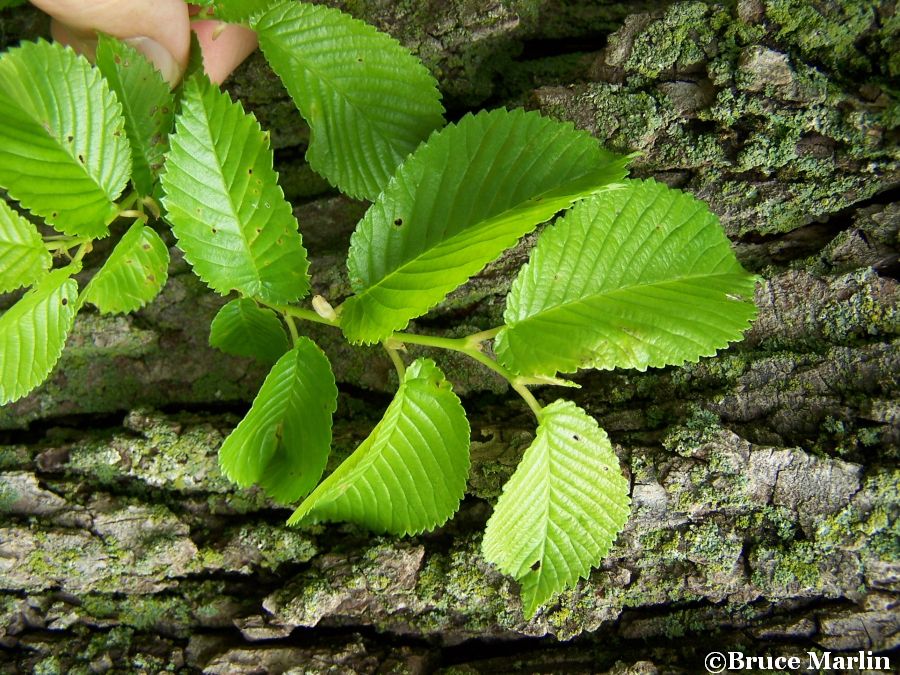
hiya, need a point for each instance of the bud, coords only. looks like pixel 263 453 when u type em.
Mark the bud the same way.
pixel 323 308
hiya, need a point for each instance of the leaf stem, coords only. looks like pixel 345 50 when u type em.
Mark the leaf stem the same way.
pixel 462 346
pixel 482 336
pixel 305 314
pixel 133 213
pixel 292 328
pixel 454 344
pixel 205 14
pixel 395 357
pixel 63 242
pixel 532 402
pixel 82 251
pixel 127 202
pixel 470 346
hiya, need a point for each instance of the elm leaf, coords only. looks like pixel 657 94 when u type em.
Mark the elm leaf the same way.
pixel 409 475
pixel 63 151
pixel 243 328
pixel 133 274
pixel 562 508
pixel 284 440
pixel 224 202
pixel 33 333
pixel 457 203
pixel 635 278
pixel 23 256
pixel 147 103
pixel 368 101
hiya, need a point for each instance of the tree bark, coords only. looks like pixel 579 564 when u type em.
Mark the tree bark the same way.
pixel 764 480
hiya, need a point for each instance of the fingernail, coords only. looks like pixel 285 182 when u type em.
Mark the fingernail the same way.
pixel 159 56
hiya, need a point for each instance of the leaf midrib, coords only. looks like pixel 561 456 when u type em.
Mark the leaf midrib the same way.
pixel 131 116
pixel 403 268
pixel 357 108
pixel 207 128
pixel 549 311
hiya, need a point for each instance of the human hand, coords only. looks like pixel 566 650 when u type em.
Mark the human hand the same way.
pixel 159 29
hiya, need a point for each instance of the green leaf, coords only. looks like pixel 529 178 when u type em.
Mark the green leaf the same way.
pixel 457 203
pixel 195 68
pixel 224 202
pixel 147 103
pixel 6 4
pixel 237 11
pixel 632 278
pixel 23 256
pixel 243 328
pixel 561 510
pixel 33 333
pixel 367 100
pixel 409 475
pixel 133 275
pixel 63 151
pixel 283 442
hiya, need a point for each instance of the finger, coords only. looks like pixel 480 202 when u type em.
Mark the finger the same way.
pixel 224 47
pixel 158 28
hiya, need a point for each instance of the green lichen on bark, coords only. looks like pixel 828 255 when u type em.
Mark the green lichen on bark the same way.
pixel 732 108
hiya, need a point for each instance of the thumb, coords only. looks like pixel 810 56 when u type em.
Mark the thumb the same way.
pixel 160 29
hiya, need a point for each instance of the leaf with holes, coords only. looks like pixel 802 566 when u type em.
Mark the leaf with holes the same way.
pixel 283 442
pixel 561 510
pixel 63 151
pixel 23 256
pixel 243 328
pixel 224 203
pixel 409 475
pixel 637 278
pixel 368 101
pixel 147 104
pixel 456 204
pixel 33 333
pixel 133 275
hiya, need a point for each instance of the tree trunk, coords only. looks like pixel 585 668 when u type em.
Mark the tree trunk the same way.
pixel 764 480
